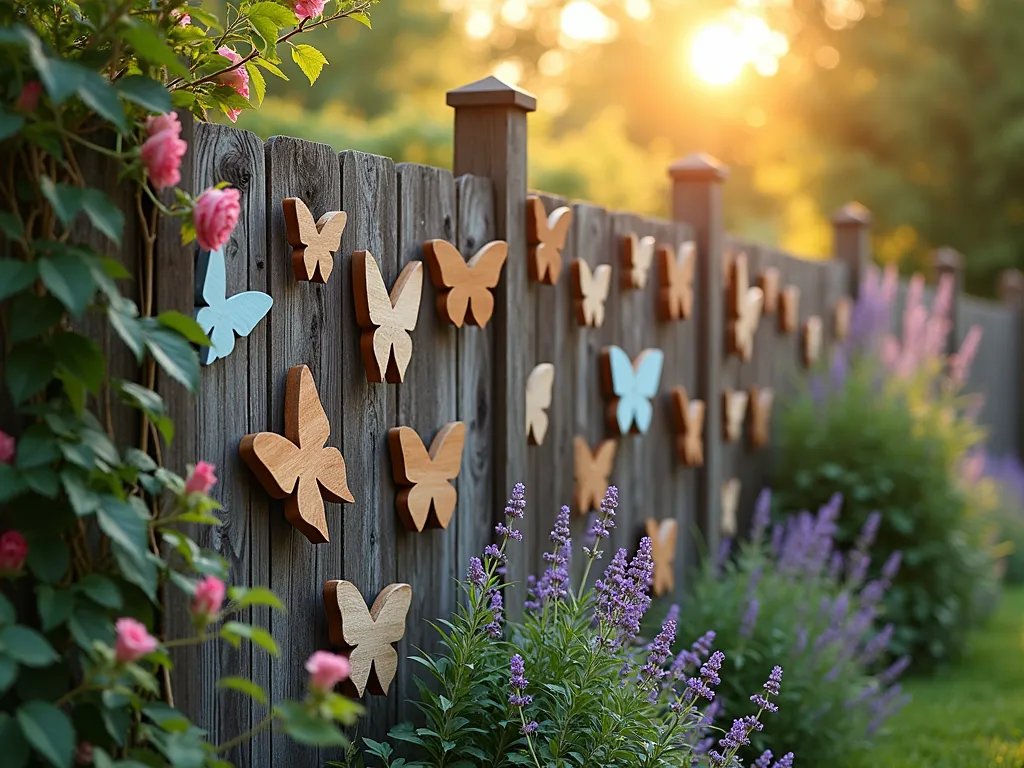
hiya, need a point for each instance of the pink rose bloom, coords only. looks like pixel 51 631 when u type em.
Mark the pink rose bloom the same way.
pixel 215 215
pixel 326 670
pixel 29 98
pixel 308 9
pixel 202 478
pixel 209 597
pixel 133 640
pixel 83 753
pixel 7 448
pixel 163 150
pixel 13 551
pixel 237 78
pixel 182 17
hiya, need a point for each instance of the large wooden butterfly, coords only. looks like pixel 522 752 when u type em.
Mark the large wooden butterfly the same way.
pixel 663 537
pixel 675 299
pixel 297 467
pixel 427 498
pixel 745 304
pixel 590 292
pixel 730 505
pixel 812 337
pixel 734 411
pixel 547 235
pixel 386 320
pixel 637 258
pixel 593 471
pixel 368 636
pixel 843 315
pixel 761 401
pixel 632 386
pixel 768 281
pixel 789 308
pixel 539 388
pixel 223 317
pixel 689 416
pixel 313 242
pixel 464 289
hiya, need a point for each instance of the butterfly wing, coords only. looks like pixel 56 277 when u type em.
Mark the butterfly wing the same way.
pixel 331 226
pixel 446 450
pixel 389 612
pixel 539 390
pixel 406 296
pixel 643 258
pixel 214 277
pixel 599 289
pixel 408 455
pixel 486 268
pixel 373 305
pixel 274 460
pixel 245 310
pixel 305 421
pixel 648 369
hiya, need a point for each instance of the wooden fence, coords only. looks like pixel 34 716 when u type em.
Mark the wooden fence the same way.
pixel 477 376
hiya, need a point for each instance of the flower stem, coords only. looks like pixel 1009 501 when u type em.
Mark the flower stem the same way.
pixel 244 737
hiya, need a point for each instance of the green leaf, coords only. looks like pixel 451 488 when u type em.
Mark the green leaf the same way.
pixel 68 278
pixel 248 687
pixel 49 731
pixel 16 749
pixel 168 718
pixel 81 357
pixel 129 329
pixel 100 590
pixel 124 525
pixel 140 572
pixel 29 370
pixel 310 61
pixel 97 93
pixel 103 214
pixel 147 93
pixel 149 45
pixel 26 646
pixel 11 483
pixel 306 728
pixel 258 596
pixel 10 123
pixel 173 353
pixel 83 500
pixel 36 447
pixel 55 606
pixel 271 67
pixel 141 397
pixel 233 631
pixel 185 325
pixel 65 199
pixel 42 480
pixel 7 613
pixel 183 99
pixel 8 674
pixel 48 557
pixel 259 84
pixel 61 78
pixel 11 226
pixel 89 624
pixel 362 17
pixel 35 314
pixel 274 13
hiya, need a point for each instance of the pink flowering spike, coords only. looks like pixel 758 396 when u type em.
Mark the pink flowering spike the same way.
pixel 13 551
pixel 133 640
pixel 960 363
pixel 162 152
pixel 215 215
pixel 8 447
pixel 308 9
pixel 326 670
pixel 202 478
pixel 28 99
pixel 209 597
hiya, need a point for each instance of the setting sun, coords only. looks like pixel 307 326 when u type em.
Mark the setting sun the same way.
pixel 721 49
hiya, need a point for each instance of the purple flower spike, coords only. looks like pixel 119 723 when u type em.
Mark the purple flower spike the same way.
pixel 475 572
pixel 653 671
pixel 750 618
pixel 529 728
pixel 517 503
pixel 762 514
pixel 892 565
pixel 785 762
pixel 518 682
pixel 493 629
pixel 764 760
pixel 774 681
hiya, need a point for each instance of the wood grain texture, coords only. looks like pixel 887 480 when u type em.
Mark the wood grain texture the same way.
pixel 745 305
pixel 546 236
pixel 539 389
pixel 637 259
pixel 465 288
pixel 676 270
pixel 663 535
pixel 689 421
pixel 386 320
pixel 593 470
pixel 313 242
pixel 428 497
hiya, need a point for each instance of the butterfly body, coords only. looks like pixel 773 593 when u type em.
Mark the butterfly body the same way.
pixel 224 316
pixel 730 505
pixel 546 235
pixel 386 319
pixel 663 537
pixel 539 387
pixel 593 471
pixel 745 304
pixel 632 386
pixel 427 498
pixel 675 299
pixel 734 411
pixel 313 242
pixel 368 635
pixel 689 415
pixel 465 288
pixel 812 337
pixel 761 402
pixel 637 258
pixel 590 292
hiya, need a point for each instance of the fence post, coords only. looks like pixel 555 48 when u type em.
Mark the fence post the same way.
pixel 490 141
pixel 1011 293
pixel 697 200
pixel 851 242
pixel 949 261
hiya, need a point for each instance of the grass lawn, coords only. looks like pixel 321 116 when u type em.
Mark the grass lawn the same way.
pixel 973 715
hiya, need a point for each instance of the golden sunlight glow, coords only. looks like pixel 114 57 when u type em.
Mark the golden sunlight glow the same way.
pixel 479 24
pixel 583 21
pixel 721 49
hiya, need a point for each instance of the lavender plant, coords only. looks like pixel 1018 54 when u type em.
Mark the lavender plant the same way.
pixel 788 596
pixel 571 683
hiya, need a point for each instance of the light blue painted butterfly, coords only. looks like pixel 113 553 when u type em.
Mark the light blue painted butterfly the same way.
pixel 223 317
pixel 632 385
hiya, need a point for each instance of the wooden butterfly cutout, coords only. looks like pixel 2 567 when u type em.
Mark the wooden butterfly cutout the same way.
pixel 637 258
pixel 547 235
pixel 427 498
pixel 465 289
pixel 593 471
pixel 313 242
pixel 368 636
pixel 297 467
pixel 689 416
pixel 730 505
pixel 675 299
pixel 632 386
pixel 768 281
pixel 539 387
pixel 734 411
pixel 760 404
pixel 843 315
pixel 590 292
pixel 223 317
pixel 386 320
pixel 811 340
pixel 663 537
pixel 745 305
pixel 789 308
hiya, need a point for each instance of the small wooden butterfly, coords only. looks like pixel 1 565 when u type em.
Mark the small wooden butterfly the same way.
pixel 386 320
pixel 789 308
pixel 745 305
pixel 663 537
pixel 593 471
pixel 313 242
pixel 465 289
pixel 632 386
pixel 547 235
pixel 590 292
pixel 297 467
pixel 223 317
pixel 367 635
pixel 637 258
pixel 427 498
pixel 730 505
pixel 760 404
pixel 768 281
pixel 689 416
pixel 539 387
pixel 734 411
pixel 811 340
pixel 677 271
pixel 843 315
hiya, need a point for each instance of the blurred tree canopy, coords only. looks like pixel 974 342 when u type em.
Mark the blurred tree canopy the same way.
pixel 913 107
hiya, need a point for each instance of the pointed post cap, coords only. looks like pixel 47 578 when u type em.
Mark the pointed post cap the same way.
pixel 852 215
pixel 698 167
pixel 492 92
